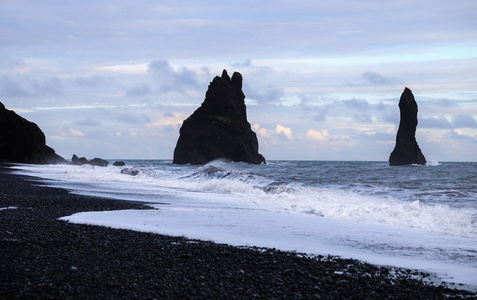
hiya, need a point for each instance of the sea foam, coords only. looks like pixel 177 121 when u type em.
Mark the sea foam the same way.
pixel 255 205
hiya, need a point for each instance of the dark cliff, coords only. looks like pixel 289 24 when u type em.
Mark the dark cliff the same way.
pixel 407 151
pixel 219 127
pixel 23 141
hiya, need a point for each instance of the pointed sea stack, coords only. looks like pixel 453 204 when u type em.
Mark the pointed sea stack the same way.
pixel 23 141
pixel 406 151
pixel 219 127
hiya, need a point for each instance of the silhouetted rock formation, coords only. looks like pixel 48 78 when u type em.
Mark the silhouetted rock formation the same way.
pixel 94 162
pixel 78 161
pixel 98 162
pixel 23 141
pixel 406 151
pixel 219 127
pixel 119 163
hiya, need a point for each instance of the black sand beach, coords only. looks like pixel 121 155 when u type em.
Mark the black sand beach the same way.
pixel 42 257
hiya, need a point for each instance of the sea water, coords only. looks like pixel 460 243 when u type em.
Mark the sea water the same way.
pixel 419 217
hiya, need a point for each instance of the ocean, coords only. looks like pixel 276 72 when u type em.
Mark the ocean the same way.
pixel 418 217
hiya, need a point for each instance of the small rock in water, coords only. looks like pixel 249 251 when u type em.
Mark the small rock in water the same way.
pixel 94 162
pixel 130 171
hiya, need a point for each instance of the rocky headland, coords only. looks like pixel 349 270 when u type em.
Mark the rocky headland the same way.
pixel 219 129
pixel 407 151
pixel 23 141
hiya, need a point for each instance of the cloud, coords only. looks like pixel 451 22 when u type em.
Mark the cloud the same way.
pixel 446 103
pixel 356 104
pixel 166 124
pixel 91 81
pixel 363 110
pixel 11 88
pixel 124 69
pixel 139 91
pixel 161 68
pixel 15 65
pixel 321 135
pixel 320 116
pixel 390 117
pixel 441 122
pixel 324 136
pixel 359 110
pixel 51 86
pixel 242 64
pixel 459 135
pixel 132 118
pixel 380 136
pixel 262 132
pixel 464 121
pixel 284 133
pixel 87 122
pixel 169 79
pixel 62 131
pixel 268 95
pixel 435 122
pixel 373 78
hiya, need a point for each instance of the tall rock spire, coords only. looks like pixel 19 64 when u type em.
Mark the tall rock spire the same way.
pixel 219 127
pixel 407 151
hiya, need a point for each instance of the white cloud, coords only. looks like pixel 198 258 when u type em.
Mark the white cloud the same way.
pixel 175 123
pixel 460 134
pixel 62 131
pixel 129 69
pixel 320 135
pixel 262 132
pixel 283 132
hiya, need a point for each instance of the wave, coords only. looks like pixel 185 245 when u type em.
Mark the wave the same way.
pixel 347 205
pixel 433 163
pixel 250 187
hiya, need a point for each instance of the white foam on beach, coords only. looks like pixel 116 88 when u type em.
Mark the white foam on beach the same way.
pixel 9 207
pixel 289 198
pixel 311 220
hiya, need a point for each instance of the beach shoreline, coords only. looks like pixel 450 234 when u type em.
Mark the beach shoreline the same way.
pixel 48 258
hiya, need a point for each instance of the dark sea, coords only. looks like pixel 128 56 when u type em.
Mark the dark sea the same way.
pixel 420 217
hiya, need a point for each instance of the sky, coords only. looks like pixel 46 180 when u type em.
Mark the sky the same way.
pixel 322 79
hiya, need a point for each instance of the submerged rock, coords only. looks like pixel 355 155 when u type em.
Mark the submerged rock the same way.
pixel 23 141
pixel 219 127
pixel 407 151
pixel 130 171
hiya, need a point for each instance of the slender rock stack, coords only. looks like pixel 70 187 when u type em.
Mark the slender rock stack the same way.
pixel 407 151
